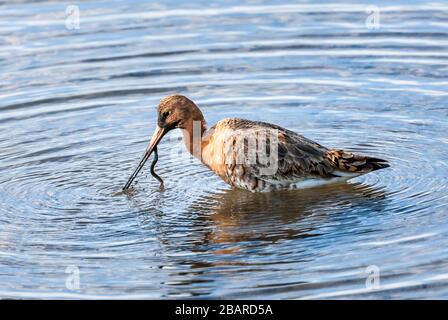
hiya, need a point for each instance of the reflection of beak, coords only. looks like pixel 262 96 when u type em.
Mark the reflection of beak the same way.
pixel 156 137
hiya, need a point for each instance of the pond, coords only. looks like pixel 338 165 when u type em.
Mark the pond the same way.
pixel 78 105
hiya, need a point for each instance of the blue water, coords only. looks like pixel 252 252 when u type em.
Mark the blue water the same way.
pixel 77 108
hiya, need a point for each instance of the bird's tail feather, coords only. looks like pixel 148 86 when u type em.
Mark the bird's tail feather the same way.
pixel 347 163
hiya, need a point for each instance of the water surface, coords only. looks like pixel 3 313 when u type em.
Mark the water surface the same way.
pixel 77 107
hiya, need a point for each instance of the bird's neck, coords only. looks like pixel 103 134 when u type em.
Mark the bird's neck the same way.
pixel 193 134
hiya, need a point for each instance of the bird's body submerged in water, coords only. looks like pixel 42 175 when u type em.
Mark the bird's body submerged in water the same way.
pixel 255 156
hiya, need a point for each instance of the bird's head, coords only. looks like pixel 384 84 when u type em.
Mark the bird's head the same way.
pixel 174 111
pixel 177 111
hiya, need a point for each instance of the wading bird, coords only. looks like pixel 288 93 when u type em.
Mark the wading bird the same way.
pixel 290 160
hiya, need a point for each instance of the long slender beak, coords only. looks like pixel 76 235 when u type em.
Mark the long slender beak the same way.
pixel 156 137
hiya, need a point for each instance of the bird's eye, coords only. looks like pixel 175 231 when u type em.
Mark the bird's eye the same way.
pixel 165 114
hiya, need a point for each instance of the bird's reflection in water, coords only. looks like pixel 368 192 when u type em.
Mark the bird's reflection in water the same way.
pixel 221 235
pixel 239 216
pixel 234 216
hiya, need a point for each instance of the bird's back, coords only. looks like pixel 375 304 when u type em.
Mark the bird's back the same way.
pixel 283 158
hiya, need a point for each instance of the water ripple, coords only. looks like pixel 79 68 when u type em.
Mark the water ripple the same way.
pixel 77 109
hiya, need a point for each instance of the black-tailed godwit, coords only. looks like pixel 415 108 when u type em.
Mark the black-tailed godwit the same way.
pixel 252 155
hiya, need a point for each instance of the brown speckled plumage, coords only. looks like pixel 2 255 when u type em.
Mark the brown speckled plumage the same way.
pixel 299 159
pixel 300 162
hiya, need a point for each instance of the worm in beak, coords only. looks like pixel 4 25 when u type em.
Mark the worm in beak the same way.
pixel 152 147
